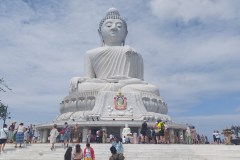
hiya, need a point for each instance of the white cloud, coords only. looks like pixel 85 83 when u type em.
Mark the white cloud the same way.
pixel 42 46
pixel 237 110
pixel 207 124
pixel 195 9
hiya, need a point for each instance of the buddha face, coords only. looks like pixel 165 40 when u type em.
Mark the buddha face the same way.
pixel 113 32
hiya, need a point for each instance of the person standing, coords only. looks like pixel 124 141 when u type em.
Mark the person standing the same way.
pixel 26 135
pixel 66 134
pixel 75 133
pixel 80 136
pixel 11 132
pixel 3 137
pixel 144 132
pixel 53 136
pixel 89 134
pixel 218 137
pixel 98 137
pixel 88 153
pixel 30 133
pixel 104 136
pixel 161 126
pixel 156 131
pixel 20 135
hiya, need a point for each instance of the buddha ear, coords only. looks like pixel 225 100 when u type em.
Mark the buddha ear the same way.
pixel 125 38
pixel 101 38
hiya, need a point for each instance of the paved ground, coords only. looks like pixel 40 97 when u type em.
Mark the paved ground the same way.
pixel 131 152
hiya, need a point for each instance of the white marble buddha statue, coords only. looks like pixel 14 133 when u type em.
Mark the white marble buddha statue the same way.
pixel 126 131
pixel 114 65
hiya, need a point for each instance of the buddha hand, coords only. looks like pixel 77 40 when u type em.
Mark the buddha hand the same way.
pixel 74 82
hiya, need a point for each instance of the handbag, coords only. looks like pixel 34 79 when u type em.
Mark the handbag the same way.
pixel 62 132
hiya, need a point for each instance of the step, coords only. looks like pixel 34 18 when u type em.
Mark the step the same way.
pixel 41 151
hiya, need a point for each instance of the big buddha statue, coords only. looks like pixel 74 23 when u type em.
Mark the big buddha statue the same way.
pixel 114 75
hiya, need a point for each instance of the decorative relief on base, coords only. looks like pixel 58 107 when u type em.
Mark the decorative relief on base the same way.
pixel 120 102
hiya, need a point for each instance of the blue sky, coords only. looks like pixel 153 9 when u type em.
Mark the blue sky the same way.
pixel 190 50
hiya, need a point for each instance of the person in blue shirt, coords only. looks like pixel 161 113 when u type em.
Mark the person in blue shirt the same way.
pixel 118 145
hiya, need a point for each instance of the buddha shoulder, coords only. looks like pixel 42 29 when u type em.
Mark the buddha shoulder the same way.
pixel 94 51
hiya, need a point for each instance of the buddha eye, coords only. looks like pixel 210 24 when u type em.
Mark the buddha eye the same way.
pixel 108 24
pixel 119 25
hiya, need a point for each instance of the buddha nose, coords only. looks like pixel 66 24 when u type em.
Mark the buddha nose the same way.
pixel 114 27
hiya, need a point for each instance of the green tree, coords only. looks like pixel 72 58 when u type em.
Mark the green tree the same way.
pixel 3 86
pixel 4 114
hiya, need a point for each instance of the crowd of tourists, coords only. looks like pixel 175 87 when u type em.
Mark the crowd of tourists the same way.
pixel 160 134
pixel 17 134
pixel 77 153
pixel 157 134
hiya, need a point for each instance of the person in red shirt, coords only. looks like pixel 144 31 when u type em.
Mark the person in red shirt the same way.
pixel 88 153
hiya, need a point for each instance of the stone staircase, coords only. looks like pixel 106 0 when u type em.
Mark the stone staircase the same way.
pixel 41 151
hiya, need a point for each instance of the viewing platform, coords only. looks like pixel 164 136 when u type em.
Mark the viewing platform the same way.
pixel 41 151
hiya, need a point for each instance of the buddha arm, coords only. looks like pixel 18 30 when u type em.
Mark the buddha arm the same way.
pixel 88 68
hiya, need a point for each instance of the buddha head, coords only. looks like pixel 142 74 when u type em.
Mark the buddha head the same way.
pixel 113 29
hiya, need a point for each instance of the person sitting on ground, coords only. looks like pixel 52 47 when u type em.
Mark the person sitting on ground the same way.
pixel 88 153
pixel 115 155
pixel 68 154
pixel 118 145
pixel 77 153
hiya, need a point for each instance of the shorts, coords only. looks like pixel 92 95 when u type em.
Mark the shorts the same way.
pixel 2 141
pixel 144 133
pixel 161 133
pixel 66 136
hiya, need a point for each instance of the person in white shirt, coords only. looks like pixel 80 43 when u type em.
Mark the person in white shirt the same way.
pixel 3 137
pixel 53 136
pixel 218 137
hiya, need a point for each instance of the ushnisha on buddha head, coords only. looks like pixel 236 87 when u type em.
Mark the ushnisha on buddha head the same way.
pixel 113 29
